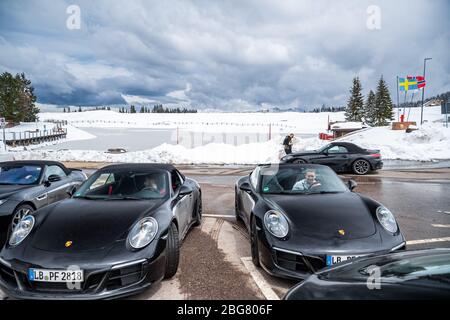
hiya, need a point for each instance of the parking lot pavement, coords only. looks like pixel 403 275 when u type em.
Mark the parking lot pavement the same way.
pixel 215 258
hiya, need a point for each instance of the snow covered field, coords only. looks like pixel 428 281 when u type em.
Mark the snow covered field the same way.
pixel 430 142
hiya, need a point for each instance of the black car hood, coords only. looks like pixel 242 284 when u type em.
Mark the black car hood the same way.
pixel 323 215
pixel 89 224
pixel 7 190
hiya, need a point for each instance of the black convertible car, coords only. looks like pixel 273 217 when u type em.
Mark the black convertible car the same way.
pixel 26 186
pixel 118 235
pixel 341 157
pixel 302 218
pixel 419 274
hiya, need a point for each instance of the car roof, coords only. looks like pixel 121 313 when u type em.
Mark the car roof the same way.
pixel 349 145
pixel 139 166
pixel 34 162
pixel 297 165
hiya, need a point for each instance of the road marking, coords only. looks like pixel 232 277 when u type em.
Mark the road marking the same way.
pixel 441 225
pixel 262 284
pixel 219 216
pixel 422 241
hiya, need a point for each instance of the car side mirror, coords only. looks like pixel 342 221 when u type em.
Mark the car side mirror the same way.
pixel 72 190
pixel 184 190
pixel 352 184
pixel 54 178
pixel 245 187
pixel 50 179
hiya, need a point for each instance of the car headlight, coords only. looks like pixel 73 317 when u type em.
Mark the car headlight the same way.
pixel 276 223
pixel 387 219
pixel 22 230
pixel 143 233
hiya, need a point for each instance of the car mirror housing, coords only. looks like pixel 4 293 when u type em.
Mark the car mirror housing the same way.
pixel 71 191
pixel 245 187
pixel 54 178
pixel 185 190
pixel 352 184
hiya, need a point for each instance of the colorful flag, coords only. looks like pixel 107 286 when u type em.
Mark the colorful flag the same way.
pixel 407 84
pixel 420 81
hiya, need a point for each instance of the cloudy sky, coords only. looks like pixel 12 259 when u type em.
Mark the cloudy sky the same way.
pixel 222 54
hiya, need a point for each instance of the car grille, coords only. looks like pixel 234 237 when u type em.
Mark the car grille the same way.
pixel 94 282
pixel 7 275
pixel 298 262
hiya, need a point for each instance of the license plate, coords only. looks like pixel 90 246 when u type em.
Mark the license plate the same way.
pixel 44 275
pixel 331 260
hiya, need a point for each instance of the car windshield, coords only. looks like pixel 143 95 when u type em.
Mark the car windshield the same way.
pixel 434 267
pixel 125 185
pixel 300 180
pixel 20 174
pixel 416 267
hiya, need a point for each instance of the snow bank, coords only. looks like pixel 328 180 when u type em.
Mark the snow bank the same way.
pixel 429 142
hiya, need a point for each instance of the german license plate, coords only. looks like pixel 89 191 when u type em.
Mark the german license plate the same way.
pixel 45 275
pixel 332 260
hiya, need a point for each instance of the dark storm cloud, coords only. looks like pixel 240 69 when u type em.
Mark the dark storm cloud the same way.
pixel 221 54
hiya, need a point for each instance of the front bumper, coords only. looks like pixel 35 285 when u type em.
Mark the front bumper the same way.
pixel 115 281
pixel 291 263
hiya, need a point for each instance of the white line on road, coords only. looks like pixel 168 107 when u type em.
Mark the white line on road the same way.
pixel 218 216
pixel 262 284
pixel 441 225
pixel 422 241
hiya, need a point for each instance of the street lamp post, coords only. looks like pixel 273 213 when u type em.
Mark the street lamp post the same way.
pixel 423 89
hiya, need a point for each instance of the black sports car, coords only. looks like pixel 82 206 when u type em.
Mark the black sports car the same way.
pixel 419 274
pixel 341 157
pixel 118 235
pixel 302 217
pixel 26 186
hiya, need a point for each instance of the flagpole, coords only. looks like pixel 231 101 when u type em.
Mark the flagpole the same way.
pixel 423 89
pixel 398 104
pixel 404 102
pixel 409 110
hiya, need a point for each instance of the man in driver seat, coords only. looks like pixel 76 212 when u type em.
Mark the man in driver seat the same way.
pixel 308 182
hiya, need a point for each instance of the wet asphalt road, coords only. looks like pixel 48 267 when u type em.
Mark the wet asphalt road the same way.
pixel 212 264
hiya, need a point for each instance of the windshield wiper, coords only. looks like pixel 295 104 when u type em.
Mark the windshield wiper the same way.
pixel 124 198
pixel 323 192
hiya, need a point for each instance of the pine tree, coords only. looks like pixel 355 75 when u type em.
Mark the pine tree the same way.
pixel 79 109
pixel 369 108
pixel 64 110
pixel 354 110
pixel 383 105
pixel 132 109
pixel 17 98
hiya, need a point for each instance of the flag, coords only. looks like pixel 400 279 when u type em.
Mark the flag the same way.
pixel 420 82
pixel 408 83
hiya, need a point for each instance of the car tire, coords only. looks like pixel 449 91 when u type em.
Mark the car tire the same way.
pixel 254 243
pixel 172 252
pixel 361 167
pixel 20 212
pixel 298 161
pixel 198 211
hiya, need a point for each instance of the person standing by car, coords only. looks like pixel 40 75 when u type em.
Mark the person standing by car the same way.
pixel 287 143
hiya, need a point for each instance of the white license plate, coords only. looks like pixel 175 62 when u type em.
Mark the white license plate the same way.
pixel 45 275
pixel 331 260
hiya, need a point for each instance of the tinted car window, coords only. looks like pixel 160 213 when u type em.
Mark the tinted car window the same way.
pixel 20 174
pixel 338 149
pixel 55 170
pixel 176 180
